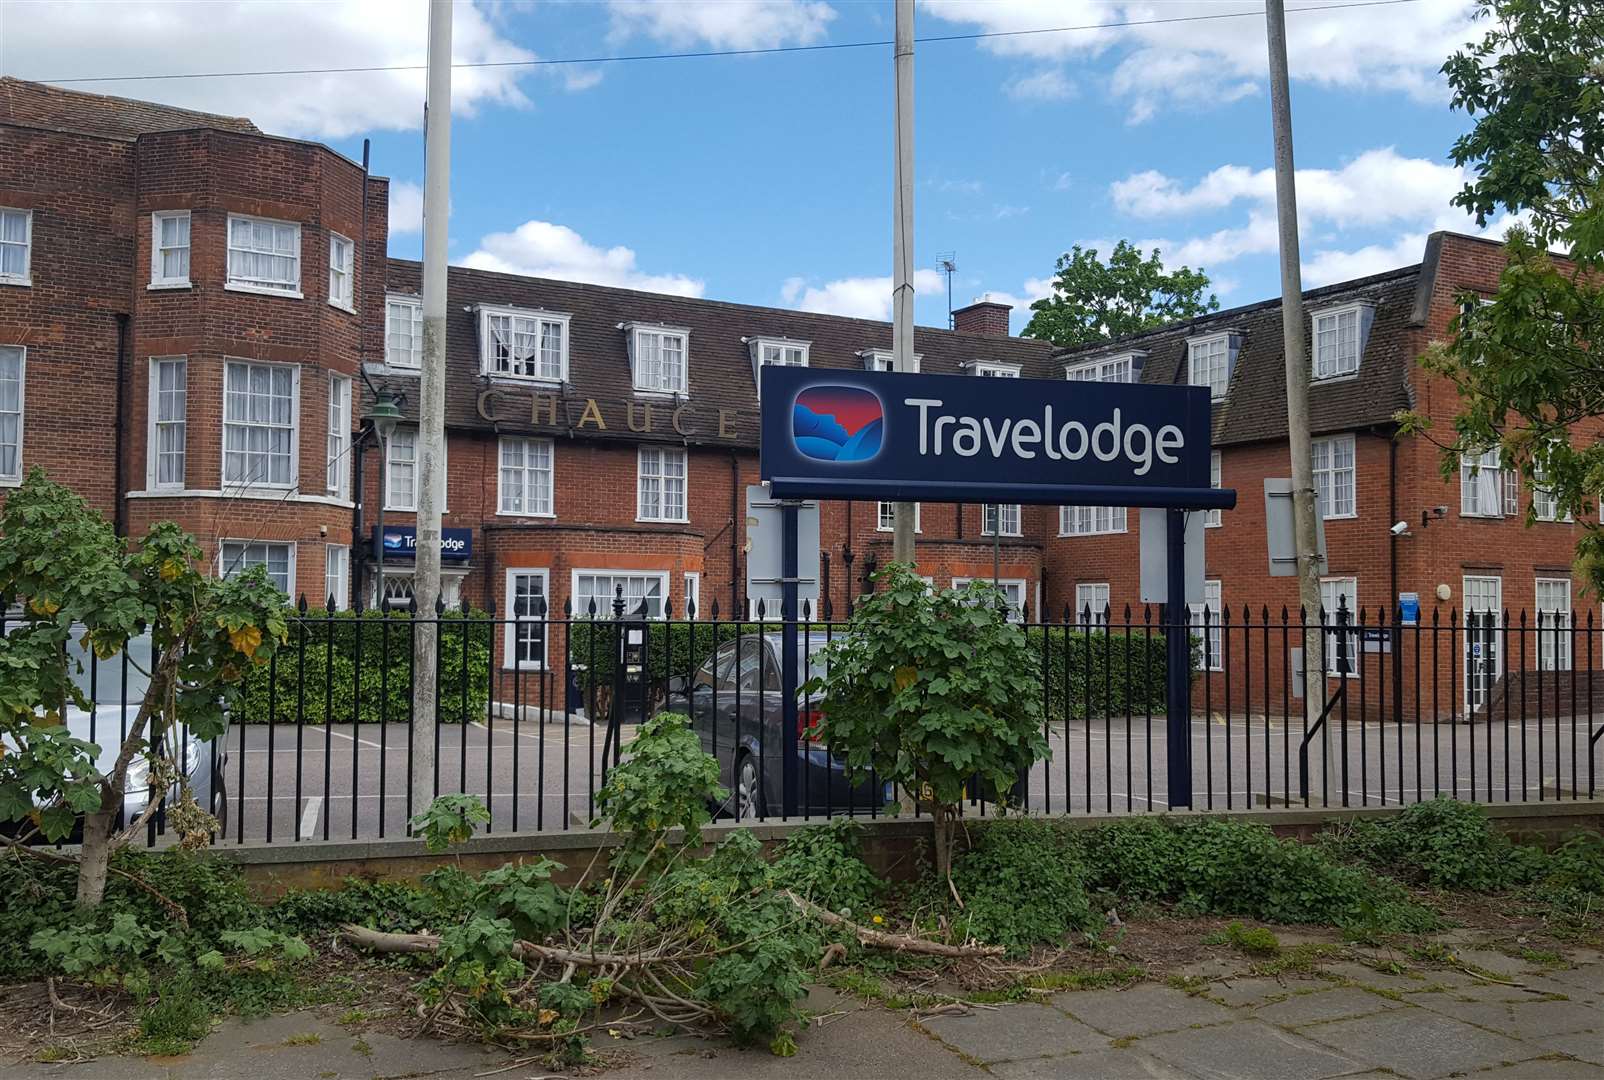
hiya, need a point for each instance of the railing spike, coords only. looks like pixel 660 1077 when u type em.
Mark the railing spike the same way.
pixel 490 605
pixel 439 604
pixel 715 609
pixel 300 605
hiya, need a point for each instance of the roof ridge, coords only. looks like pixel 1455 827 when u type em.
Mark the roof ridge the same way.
pixel 11 84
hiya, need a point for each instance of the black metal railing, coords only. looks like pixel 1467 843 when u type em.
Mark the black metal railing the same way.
pixel 537 705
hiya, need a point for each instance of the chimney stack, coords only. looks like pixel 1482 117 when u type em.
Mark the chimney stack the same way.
pixel 984 316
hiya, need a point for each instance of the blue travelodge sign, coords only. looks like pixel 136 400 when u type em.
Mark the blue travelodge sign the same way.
pixel 955 438
pixel 401 542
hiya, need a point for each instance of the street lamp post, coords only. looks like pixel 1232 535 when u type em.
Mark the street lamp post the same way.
pixel 383 416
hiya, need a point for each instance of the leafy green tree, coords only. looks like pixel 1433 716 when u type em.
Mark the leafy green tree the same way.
pixel 76 580
pixel 934 690
pixel 1094 301
pixel 1526 364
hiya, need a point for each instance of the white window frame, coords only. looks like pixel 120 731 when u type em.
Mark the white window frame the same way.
pixel 884 515
pixel 604 610
pixel 295 427
pixel 155 423
pixel 994 369
pixel 1487 679
pixel 1086 593
pixel 1482 478
pixel 546 479
pixel 158 280
pixel 1213 519
pixel 787 352
pixel 516 621
pixel 661 477
pixel 412 363
pixel 540 320
pixel 1326 327
pixel 882 359
pixel 1545 503
pixel 1214 644
pixel 1109 369
pixel 223 561
pixel 693 592
pixel 26 276
pixel 13 479
pixel 1203 349
pixel 1328 473
pixel 337 575
pixel 1003 510
pixel 1332 591
pixel 338 465
pixel 342 278
pixel 1010 587
pixel 1554 640
pixel 653 335
pixel 417 471
pixel 1091 520
pixel 290 287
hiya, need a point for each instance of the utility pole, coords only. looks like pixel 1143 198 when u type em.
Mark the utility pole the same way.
pixel 1297 361
pixel 431 402
pixel 903 514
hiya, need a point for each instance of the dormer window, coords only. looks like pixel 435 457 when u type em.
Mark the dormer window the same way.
pixel 784 352
pixel 881 360
pixel 1339 339
pixel 1124 368
pixel 993 369
pixel 1210 360
pixel 659 357
pixel 518 344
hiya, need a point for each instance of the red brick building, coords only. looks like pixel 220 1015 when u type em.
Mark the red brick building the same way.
pixel 191 310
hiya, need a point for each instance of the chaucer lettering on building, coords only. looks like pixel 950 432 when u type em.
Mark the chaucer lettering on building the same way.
pixel 498 406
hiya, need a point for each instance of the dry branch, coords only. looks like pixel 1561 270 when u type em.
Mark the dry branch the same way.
pixel 879 939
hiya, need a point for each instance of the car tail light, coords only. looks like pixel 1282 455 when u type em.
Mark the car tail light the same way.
pixel 807 724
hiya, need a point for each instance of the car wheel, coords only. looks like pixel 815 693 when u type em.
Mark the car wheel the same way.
pixel 220 805
pixel 748 797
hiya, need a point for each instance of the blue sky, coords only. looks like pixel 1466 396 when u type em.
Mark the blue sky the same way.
pixel 767 179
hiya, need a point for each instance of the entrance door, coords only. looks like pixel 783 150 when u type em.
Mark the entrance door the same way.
pixel 1484 601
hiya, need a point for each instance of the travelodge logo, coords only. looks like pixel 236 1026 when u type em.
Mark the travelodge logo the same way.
pixel 837 423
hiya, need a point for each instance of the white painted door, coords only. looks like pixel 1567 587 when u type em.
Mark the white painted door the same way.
pixel 1484 601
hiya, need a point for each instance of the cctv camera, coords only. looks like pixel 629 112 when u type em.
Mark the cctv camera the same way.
pixel 1400 528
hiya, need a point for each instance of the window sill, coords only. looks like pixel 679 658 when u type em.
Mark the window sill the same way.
pixel 1322 380
pixel 262 290
pixel 1469 516
pixel 519 514
pixel 167 286
pixel 1075 535
pixel 661 521
pixel 666 395
pixel 501 378
pixel 392 369
pixel 19 282
pixel 347 308
pixel 1341 517
pixel 10 481
pixel 528 665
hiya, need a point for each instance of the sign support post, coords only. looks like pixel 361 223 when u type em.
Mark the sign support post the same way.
pixel 789 614
pixel 1178 667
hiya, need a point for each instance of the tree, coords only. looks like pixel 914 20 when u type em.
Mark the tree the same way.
pixel 1526 364
pixel 75 579
pixel 933 690
pixel 1094 301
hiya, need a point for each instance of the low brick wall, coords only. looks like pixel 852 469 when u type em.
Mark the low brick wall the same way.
pixel 896 848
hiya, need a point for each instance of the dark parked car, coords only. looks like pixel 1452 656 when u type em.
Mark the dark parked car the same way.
pixel 735 706
pixel 115 689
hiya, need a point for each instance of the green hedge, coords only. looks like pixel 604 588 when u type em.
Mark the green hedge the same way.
pixel 324 687
pixel 1073 658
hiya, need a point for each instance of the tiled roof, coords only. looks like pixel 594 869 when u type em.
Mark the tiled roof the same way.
pixel 720 368
pixel 1255 407
pixel 31 104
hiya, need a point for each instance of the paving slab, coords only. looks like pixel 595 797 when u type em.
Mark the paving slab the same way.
pixel 1381 980
pixel 1526 1019
pixel 1544 1070
pixel 1254 991
pixel 1585 1046
pixel 1141 1010
pixel 1013 1031
pixel 1128 1063
pixel 1249 1050
pixel 1498 963
pixel 1418 1043
pixel 282 1046
pixel 1589 977
pixel 1324 1005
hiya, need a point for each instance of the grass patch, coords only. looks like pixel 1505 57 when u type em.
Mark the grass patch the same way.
pixel 1249 940
pixel 308 1038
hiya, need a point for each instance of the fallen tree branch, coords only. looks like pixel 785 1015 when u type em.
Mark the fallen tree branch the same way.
pixel 878 939
pixel 382 941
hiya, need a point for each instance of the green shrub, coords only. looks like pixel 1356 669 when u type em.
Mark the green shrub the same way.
pixel 1252 940
pixel 1444 843
pixel 396 906
pixel 822 863
pixel 1076 662
pixel 319 683
pixel 1022 884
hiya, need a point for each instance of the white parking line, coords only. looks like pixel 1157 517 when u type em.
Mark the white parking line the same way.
pixel 309 817
pixel 349 738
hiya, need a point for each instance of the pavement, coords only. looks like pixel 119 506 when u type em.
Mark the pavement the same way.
pixel 1491 1017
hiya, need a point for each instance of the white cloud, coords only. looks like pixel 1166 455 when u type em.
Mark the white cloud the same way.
pixel 406 207
pixel 1210 61
pixel 1379 189
pixel 1032 290
pixel 542 249
pixel 731 24
pixel 859 297
pixel 1049 84
pixel 63 40
pixel 1064 181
